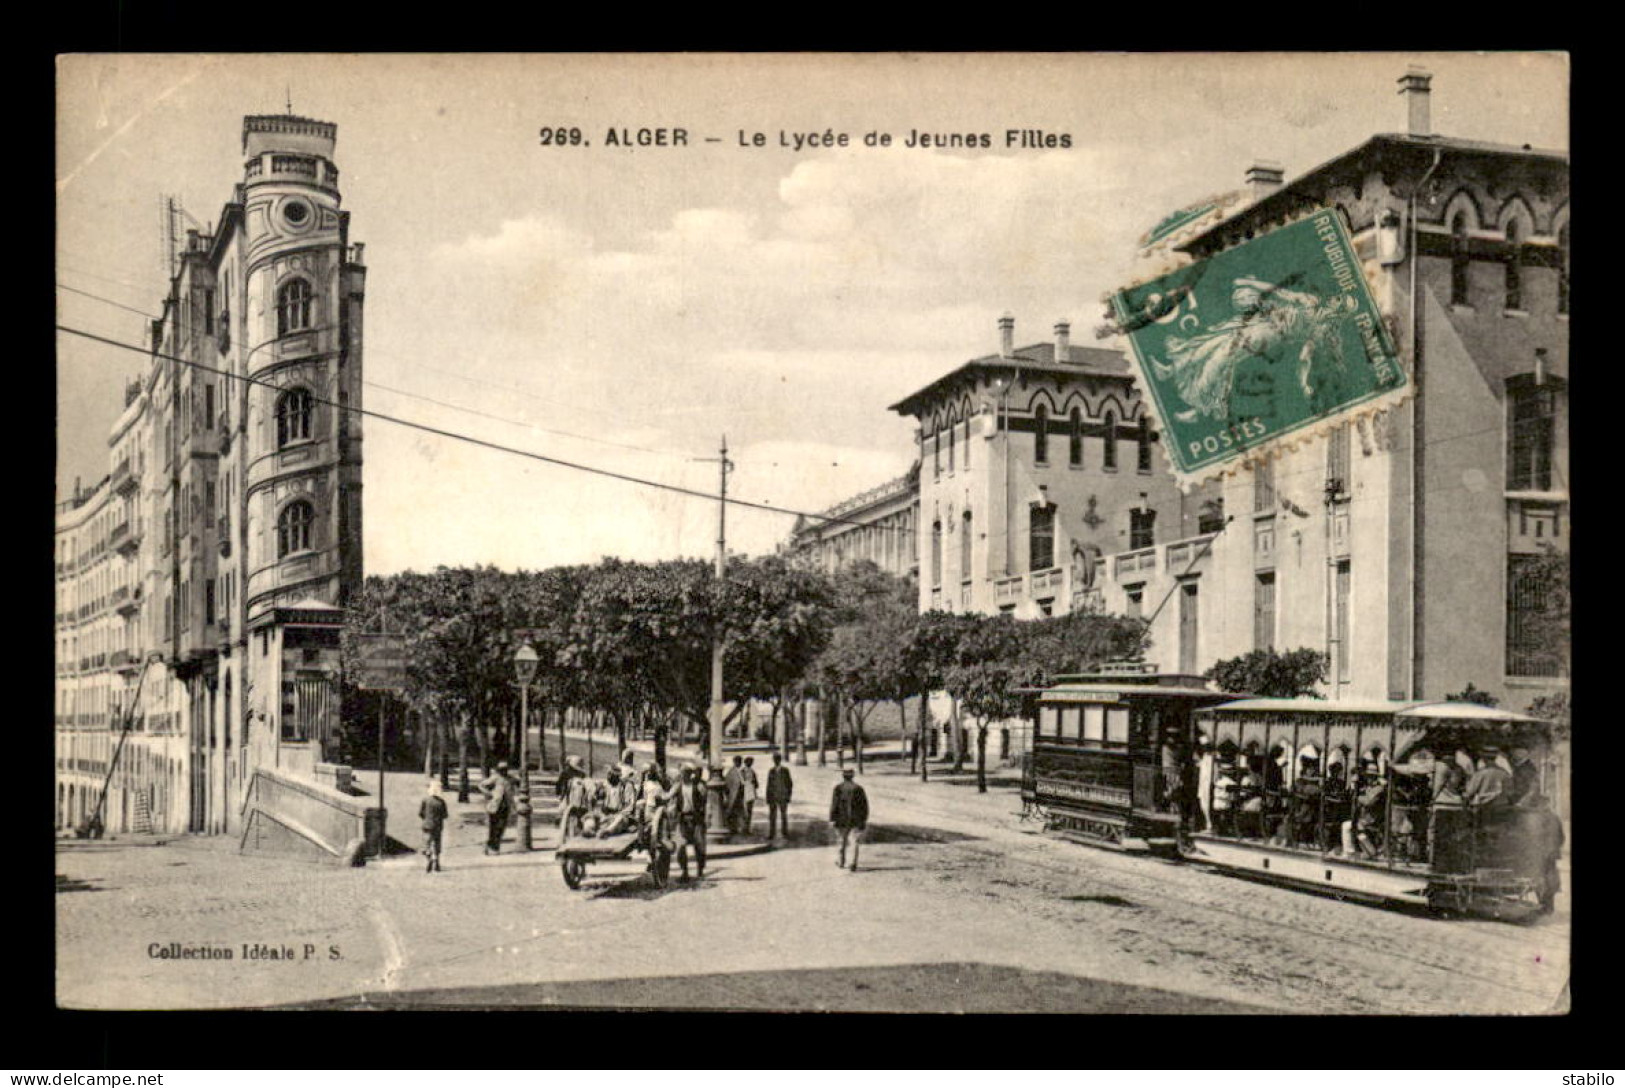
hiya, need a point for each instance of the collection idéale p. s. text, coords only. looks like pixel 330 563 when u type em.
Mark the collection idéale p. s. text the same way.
pixel 631 138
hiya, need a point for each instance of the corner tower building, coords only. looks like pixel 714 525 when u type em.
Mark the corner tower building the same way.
pixel 232 525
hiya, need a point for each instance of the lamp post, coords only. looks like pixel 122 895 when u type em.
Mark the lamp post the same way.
pixel 524 665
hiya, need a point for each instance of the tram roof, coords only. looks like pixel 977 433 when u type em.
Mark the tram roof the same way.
pixel 1441 709
pixel 1083 693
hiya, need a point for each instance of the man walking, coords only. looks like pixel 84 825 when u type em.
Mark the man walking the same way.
pixel 849 815
pixel 498 790
pixel 689 806
pixel 750 786
pixel 733 794
pixel 778 798
pixel 432 811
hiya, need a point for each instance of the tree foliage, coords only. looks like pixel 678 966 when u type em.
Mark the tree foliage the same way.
pixel 1272 674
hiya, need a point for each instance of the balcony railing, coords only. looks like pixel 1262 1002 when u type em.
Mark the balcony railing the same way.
pixel 1047 583
pixel 1135 562
pixel 1182 552
pixel 1008 589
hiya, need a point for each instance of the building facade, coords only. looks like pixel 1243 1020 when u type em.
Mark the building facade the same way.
pixel 1414 547
pixel 880 526
pixel 1034 464
pixel 201 585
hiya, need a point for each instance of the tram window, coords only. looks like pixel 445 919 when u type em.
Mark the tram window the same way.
pixel 1050 725
pixel 1117 725
pixel 1094 723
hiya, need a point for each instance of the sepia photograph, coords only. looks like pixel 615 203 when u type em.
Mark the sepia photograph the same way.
pixel 813 532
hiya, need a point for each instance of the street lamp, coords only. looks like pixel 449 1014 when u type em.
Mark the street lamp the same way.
pixel 524 665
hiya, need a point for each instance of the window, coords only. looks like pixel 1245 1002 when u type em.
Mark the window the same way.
pixel 936 456
pixel 965 538
pixel 1144 455
pixel 1536 625
pixel 1264 487
pixel 1459 260
pixel 1514 266
pixel 1142 526
pixel 208 406
pixel 1563 270
pixel 1117 725
pixel 293 528
pixel 1041 531
pixel 1135 595
pixel 292 307
pixel 1094 722
pixel 1264 611
pixel 1337 460
pixel 293 411
pixel 953 431
pixel 1041 434
pixel 1109 461
pixel 1211 517
pixel 208 310
pixel 1050 726
pixel 208 601
pixel 1342 620
pixel 967 443
pixel 1531 428
pixel 936 552
pixel 1074 436
pixel 1188 630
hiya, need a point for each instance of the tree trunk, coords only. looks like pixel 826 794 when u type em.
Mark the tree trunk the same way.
pixel 428 749
pixel 857 738
pixel 660 746
pixel 954 737
pixel 563 713
pixel 801 730
pixel 981 756
pixel 620 732
pixel 925 737
pixel 462 761
pixel 823 728
pixel 443 728
pixel 902 734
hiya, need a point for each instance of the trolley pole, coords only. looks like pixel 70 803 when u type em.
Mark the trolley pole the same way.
pixel 714 747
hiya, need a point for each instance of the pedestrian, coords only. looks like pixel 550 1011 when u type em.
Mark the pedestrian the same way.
pixel 689 806
pixel 432 811
pixel 779 787
pixel 733 792
pixel 498 790
pixel 1525 774
pixel 849 815
pixel 576 800
pixel 751 785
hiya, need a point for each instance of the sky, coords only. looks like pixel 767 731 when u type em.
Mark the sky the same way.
pixel 627 307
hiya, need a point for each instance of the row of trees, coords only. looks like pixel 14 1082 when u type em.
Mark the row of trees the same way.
pixel 628 645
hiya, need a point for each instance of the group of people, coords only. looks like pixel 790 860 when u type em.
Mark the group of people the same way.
pixel 671 814
pixel 1446 808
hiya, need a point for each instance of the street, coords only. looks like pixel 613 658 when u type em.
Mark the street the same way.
pixel 959 906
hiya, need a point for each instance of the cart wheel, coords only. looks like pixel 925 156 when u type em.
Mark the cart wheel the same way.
pixel 662 868
pixel 574 869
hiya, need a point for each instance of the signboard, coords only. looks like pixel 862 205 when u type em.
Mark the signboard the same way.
pixel 380 662
pixel 1275 337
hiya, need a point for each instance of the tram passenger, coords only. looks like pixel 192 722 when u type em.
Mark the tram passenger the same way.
pixel 1222 797
pixel 1525 774
pixel 1275 799
pixel 1488 798
pixel 1544 829
pixel 1336 802
pixel 1306 789
pixel 1250 799
pixel 1371 811
pixel 1204 780
pixel 1412 793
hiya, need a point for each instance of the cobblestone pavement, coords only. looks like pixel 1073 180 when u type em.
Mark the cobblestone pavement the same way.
pixel 950 877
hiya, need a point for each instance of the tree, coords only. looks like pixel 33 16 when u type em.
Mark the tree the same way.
pixel 864 661
pixel 1473 695
pixel 1272 674
pixel 777 619
pixel 987 665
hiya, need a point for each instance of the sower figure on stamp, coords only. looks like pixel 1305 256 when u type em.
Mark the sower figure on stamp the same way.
pixel 779 787
pixel 432 811
pixel 498 790
pixel 849 815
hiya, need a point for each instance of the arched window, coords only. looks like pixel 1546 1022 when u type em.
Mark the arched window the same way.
pixel 1563 270
pixel 953 432
pixel 1514 266
pixel 936 456
pixel 1041 538
pixel 965 548
pixel 1110 459
pixel 1458 260
pixel 1041 434
pixel 293 307
pixel 1074 453
pixel 293 411
pixel 967 441
pixel 293 527
pixel 1143 462
pixel 936 553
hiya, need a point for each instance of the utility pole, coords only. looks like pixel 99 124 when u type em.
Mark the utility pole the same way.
pixel 714 747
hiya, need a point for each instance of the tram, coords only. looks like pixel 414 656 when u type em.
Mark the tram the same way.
pixel 1107 752
pixel 1365 800
pixel 1362 800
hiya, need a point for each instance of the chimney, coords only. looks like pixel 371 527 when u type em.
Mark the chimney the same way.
pixel 1414 85
pixel 1007 335
pixel 1263 178
pixel 1063 341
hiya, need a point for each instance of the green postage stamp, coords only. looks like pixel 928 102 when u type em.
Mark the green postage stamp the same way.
pixel 1259 342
